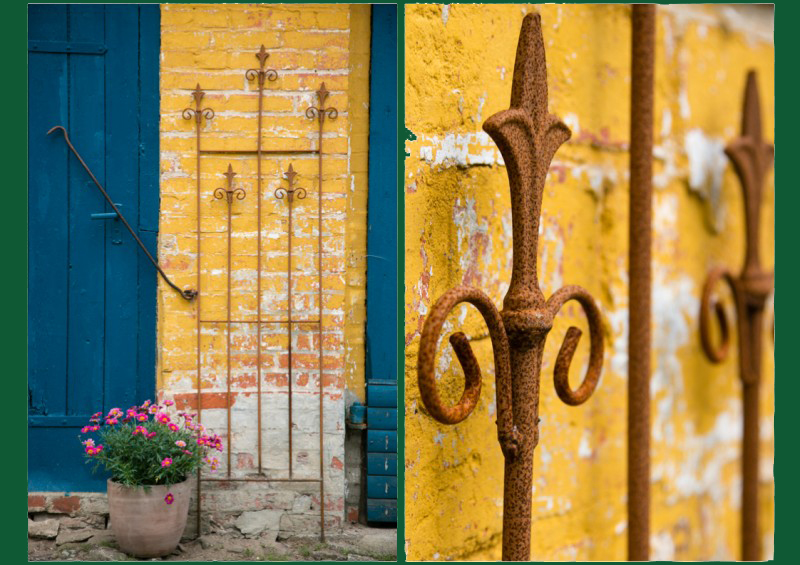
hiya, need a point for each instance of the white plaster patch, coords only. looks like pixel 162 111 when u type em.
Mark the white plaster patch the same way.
pixel 598 176
pixel 707 164
pixel 584 449
pixel 459 150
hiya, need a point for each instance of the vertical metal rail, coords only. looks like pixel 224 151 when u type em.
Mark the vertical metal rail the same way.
pixel 261 75
pixel 639 312
pixel 290 194
pixel 528 138
pixel 229 194
pixel 198 113
pixel 320 114
pixel 752 158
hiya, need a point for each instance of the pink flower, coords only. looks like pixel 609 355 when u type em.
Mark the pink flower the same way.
pixel 151 435
pixel 168 403
pixel 174 427
pixel 88 443
pixel 166 462
pixel 163 417
pixel 140 430
pixel 187 452
pixel 86 429
pixel 112 421
pixel 142 417
pixel 180 443
pixel 94 450
pixel 94 428
pixel 169 499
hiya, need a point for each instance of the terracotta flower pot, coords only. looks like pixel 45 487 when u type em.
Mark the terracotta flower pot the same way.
pixel 143 523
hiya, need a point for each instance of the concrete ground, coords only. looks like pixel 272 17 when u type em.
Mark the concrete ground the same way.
pixel 354 542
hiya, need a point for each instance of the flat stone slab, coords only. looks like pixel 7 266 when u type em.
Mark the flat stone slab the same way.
pixel 44 529
pixel 74 536
pixel 265 523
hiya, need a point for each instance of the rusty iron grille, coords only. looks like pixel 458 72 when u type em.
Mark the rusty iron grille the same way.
pixel 528 138
pixel 752 158
pixel 230 195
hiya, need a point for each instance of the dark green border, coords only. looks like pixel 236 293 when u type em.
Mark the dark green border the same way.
pixel 13 218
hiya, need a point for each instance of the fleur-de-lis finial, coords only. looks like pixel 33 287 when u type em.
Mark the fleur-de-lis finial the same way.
pixel 322 94
pixel 751 157
pixel 229 174
pixel 290 192
pixel 262 56
pixel 321 112
pixel 197 112
pixel 290 175
pixel 198 94
pixel 229 192
pixel 528 138
pixel 261 73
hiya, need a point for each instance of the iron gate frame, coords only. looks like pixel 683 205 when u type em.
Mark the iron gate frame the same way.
pixel 319 113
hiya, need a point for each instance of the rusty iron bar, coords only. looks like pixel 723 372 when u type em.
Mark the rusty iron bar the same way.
pixel 752 158
pixel 320 113
pixel 187 294
pixel 528 138
pixel 197 114
pixel 289 194
pixel 639 303
pixel 229 194
pixel 261 75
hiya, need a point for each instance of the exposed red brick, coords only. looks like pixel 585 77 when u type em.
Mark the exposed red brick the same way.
pixel 210 400
pixel 336 463
pixel 66 505
pixel 36 503
pixel 352 514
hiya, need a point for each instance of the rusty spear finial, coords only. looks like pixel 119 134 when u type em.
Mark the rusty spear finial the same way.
pixel 229 192
pixel 321 112
pixel 197 112
pixel 528 137
pixel 751 157
pixel 290 192
pixel 261 73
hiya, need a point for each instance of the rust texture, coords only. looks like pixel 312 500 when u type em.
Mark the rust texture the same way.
pixel 229 194
pixel 527 137
pixel 187 294
pixel 752 158
pixel 639 258
pixel 260 76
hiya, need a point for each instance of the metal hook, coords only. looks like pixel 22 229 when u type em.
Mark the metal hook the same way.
pixel 187 294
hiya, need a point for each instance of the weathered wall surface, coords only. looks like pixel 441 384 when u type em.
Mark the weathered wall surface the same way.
pixel 459 65
pixel 214 45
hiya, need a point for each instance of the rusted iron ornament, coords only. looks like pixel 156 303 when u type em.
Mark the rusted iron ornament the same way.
pixel 751 157
pixel 528 138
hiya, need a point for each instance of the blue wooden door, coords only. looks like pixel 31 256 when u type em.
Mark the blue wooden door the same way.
pixel 382 270
pixel 91 293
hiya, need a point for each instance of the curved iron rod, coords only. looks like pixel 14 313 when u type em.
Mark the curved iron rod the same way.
pixel 187 294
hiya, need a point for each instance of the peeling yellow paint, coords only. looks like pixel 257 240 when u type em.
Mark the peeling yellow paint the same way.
pixel 459 66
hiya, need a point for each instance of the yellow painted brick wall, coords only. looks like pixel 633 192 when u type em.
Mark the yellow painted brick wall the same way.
pixel 214 45
pixel 459 66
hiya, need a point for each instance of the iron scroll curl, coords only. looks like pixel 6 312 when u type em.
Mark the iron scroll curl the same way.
pixel 570 344
pixel 506 430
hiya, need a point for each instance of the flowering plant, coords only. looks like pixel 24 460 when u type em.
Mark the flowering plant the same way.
pixel 146 445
